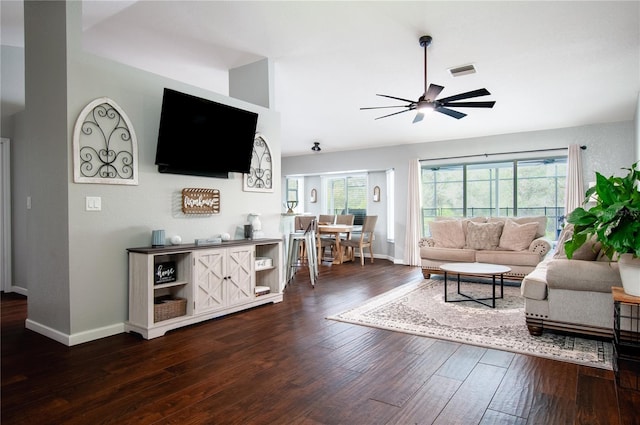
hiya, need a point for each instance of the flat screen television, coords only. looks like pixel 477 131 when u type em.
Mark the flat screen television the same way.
pixel 202 137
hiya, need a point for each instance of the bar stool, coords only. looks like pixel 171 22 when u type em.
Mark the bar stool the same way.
pixel 309 240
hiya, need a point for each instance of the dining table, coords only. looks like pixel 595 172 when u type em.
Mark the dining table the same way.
pixel 336 230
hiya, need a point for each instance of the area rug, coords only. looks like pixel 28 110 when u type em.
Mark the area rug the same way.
pixel 418 308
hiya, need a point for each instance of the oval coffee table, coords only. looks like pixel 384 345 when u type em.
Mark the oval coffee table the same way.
pixel 476 269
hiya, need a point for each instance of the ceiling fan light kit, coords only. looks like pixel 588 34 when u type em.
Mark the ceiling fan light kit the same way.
pixel 429 102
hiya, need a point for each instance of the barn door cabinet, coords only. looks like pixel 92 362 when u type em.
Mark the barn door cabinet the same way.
pixel 175 286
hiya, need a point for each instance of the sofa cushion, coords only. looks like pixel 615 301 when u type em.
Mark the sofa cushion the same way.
pixel 508 258
pixel 448 254
pixel 483 235
pixel 464 221
pixel 583 275
pixel 589 251
pixel 517 237
pixel 540 219
pixel 447 233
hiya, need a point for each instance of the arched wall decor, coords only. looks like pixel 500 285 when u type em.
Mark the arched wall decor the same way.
pixel 105 147
pixel 260 177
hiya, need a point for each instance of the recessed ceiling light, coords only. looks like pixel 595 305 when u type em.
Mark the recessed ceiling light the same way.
pixel 462 70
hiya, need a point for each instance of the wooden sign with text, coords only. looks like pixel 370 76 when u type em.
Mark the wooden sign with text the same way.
pixel 200 201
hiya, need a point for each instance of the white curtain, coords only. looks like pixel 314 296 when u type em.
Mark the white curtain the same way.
pixel 411 249
pixel 574 192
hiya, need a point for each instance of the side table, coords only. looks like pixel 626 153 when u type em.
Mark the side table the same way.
pixel 626 339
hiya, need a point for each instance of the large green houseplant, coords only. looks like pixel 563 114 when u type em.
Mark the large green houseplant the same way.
pixel 614 220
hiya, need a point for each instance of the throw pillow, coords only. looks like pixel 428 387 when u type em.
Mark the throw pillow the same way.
pixel 587 252
pixel 517 237
pixel 447 233
pixel 483 235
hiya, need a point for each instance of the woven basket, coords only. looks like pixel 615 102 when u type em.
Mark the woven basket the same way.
pixel 165 309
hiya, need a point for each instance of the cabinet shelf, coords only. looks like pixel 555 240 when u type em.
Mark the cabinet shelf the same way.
pixel 259 269
pixel 170 284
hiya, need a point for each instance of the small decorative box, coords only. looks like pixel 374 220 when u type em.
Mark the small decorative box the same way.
pixel 263 262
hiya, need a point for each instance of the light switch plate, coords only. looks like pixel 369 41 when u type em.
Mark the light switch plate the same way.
pixel 93 203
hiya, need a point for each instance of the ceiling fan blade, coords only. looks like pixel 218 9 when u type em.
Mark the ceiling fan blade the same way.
pixel 395 113
pixel 396 98
pixel 470 104
pixel 433 92
pixel 419 117
pixel 455 114
pixel 467 95
pixel 383 107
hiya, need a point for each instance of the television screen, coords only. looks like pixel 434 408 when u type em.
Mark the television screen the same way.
pixel 202 137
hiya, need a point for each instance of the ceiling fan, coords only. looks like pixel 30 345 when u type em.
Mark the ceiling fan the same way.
pixel 428 102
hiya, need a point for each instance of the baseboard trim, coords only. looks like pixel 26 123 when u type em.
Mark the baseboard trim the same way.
pixel 19 290
pixel 77 338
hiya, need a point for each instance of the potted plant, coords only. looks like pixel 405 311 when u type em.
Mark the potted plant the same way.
pixel 614 221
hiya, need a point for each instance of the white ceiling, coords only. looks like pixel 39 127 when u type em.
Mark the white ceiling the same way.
pixel 546 64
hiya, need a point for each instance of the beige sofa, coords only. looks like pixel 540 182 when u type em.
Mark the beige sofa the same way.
pixel 516 242
pixel 571 295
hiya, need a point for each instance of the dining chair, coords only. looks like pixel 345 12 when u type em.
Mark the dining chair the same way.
pixel 365 240
pixel 326 219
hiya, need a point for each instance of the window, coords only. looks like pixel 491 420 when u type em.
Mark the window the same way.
pixel 347 195
pixel 508 188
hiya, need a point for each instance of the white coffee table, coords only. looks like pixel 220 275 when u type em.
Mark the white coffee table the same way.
pixel 476 269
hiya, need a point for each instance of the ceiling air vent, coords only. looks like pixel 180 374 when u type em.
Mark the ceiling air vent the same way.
pixel 462 70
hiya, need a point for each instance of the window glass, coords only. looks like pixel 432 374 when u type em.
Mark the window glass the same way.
pixel 508 188
pixel 442 193
pixel 347 195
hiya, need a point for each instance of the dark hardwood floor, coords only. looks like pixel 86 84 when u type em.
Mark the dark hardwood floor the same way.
pixel 286 364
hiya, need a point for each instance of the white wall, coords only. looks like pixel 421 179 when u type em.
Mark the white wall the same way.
pixel 609 147
pixel 82 260
pixel 637 121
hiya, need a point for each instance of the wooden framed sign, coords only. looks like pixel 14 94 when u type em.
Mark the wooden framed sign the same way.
pixel 200 201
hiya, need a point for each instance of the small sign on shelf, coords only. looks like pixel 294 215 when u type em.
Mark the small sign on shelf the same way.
pixel 165 272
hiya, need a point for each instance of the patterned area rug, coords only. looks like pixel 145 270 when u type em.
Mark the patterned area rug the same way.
pixel 419 308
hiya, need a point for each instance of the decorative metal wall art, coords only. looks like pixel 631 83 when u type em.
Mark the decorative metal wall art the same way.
pixel 105 147
pixel 260 177
pixel 200 201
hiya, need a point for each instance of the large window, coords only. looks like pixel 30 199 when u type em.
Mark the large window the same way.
pixel 508 188
pixel 347 195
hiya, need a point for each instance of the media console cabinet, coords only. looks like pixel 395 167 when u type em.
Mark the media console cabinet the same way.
pixel 214 280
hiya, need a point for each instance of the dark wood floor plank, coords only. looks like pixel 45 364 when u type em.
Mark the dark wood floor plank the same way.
pixel 555 393
pixel 596 402
pixel 427 403
pixel 404 383
pixel 491 417
pixel 287 364
pixel 497 358
pixel 517 390
pixel 469 403
pixel 462 362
